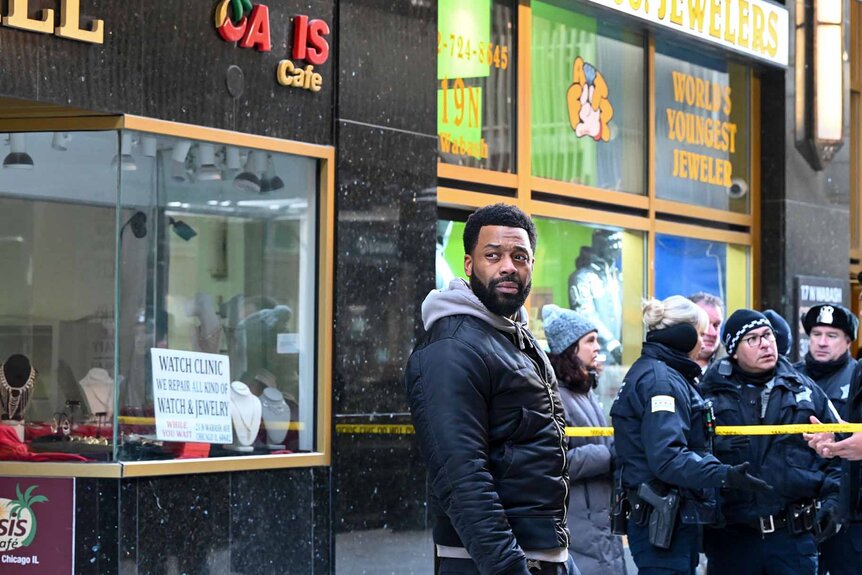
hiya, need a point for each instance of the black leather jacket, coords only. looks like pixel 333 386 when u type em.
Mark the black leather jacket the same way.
pixel 490 425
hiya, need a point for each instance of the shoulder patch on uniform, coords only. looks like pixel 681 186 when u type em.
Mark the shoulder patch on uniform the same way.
pixel 845 391
pixel 663 403
pixel 804 395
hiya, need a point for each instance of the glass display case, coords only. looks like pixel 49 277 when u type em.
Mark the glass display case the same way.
pixel 166 299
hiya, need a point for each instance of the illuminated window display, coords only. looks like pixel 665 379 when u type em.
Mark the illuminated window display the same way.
pixel 476 84
pixel 172 315
pixel 587 108
pixel 685 266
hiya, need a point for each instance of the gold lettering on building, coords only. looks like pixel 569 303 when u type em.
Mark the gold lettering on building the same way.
pixel 18 16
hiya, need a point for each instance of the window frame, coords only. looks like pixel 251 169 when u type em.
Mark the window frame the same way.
pixel 324 265
pixel 471 188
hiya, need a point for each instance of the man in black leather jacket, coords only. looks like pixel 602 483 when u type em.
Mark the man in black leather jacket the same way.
pixel 487 412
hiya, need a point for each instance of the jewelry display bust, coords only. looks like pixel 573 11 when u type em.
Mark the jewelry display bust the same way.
pixel 98 388
pixel 17 378
pixel 245 414
pixel 276 417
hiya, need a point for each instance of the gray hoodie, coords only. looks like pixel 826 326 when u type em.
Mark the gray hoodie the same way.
pixel 459 299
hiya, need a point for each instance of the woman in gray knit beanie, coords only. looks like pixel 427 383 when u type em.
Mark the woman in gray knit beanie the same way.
pixel 573 340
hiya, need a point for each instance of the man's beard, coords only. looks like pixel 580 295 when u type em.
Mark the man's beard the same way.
pixel 500 303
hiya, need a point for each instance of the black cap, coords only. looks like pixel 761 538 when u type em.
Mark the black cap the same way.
pixel 738 324
pixel 831 315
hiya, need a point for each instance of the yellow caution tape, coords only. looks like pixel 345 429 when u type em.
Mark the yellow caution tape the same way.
pixel 740 429
pixel 407 429
pixel 134 420
pixel 374 429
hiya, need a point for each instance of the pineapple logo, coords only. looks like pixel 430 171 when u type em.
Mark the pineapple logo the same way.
pixel 17 520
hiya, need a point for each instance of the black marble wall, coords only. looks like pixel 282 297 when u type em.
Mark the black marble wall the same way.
pixel 805 214
pixel 386 210
pixel 165 60
pixel 257 522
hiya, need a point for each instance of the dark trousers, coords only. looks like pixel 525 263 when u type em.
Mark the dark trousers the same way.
pixel 449 566
pixel 842 553
pixel 745 551
pixel 680 559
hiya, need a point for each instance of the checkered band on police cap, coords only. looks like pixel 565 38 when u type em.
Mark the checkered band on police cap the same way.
pixel 738 324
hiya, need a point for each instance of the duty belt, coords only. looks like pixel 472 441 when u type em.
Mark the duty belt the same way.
pixel 797 518
pixel 536 567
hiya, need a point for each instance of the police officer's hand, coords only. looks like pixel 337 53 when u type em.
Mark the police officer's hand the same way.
pixel 827 523
pixel 739 478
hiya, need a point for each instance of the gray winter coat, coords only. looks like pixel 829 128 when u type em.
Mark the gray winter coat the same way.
pixel 595 550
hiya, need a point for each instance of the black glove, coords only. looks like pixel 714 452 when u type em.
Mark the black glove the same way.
pixel 738 478
pixel 827 522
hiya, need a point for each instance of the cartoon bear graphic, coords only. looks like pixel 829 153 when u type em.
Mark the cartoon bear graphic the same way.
pixel 590 111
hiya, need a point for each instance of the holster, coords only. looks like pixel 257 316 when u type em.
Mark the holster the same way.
pixel 620 510
pixel 663 514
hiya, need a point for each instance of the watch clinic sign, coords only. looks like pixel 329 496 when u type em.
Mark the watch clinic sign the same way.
pixel 247 25
pixel 754 27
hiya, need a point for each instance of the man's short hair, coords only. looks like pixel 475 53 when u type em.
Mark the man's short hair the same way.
pixel 708 299
pixel 497 215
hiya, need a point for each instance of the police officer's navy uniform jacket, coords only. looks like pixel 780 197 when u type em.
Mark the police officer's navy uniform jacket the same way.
pixel 784 461
pixel 660 431
pixel 490 425
pixel 833 380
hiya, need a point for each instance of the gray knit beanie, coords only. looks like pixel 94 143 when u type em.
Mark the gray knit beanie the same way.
pixel 563 327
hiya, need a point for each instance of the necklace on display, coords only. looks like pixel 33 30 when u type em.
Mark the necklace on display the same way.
pixel 15 399
pixel 273 406
pixel 245 423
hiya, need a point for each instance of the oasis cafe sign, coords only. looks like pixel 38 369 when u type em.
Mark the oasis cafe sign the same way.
pixel 247 25
pixel 754 27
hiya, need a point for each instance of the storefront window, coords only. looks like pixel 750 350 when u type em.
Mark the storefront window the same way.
pixel 57 214
pixel 174 315
pixel 685 266
pixel 702 133
pixel 587 101
pixel 579 267
pixel 225 268
pixel 476 84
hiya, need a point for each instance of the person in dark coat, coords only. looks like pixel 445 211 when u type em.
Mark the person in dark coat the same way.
pixel 831 329
pixel 775 532
pixel 487 413
pixel 574 344
pixel 848 447
pixel 661 434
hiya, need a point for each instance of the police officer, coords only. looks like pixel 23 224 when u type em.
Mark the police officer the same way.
pixel 661 429
pixel 831 328
pixel 768 533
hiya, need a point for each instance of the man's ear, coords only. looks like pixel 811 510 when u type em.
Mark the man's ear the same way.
pixel 468 265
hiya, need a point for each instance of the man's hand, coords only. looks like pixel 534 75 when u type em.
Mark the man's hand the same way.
pixel 818 441
pixel 849 449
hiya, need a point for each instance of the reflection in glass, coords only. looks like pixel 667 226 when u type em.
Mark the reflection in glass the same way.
pixel 685 266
